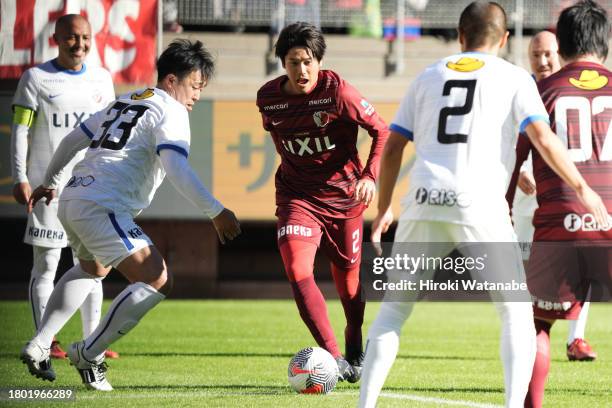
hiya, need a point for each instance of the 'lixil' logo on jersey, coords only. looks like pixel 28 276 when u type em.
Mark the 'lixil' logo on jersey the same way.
pixel 308 145
pixel 68 120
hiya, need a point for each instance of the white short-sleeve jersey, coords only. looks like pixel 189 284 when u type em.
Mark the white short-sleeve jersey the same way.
pixel 61 99
pixel 122 169
pixel 464 114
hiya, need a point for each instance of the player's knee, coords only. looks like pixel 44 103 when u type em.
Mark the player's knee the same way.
pixel 166 283
pixel 45 262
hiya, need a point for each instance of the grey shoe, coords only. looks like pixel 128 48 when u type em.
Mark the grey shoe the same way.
pixel 345 371
pixel 356 363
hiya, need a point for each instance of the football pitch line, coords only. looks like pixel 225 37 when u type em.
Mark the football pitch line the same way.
pixel 431 400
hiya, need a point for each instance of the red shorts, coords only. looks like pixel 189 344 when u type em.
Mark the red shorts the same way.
pixel 340 239
pixel 559 275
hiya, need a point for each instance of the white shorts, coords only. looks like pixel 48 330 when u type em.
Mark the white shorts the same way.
pixel 95 232
pixel 436 239
pixel 44 228
pixel 523 225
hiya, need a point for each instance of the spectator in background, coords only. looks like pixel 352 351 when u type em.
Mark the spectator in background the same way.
pixel 170 16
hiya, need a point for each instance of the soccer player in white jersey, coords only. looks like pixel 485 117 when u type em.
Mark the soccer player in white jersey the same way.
pixel 52 99
pixel 133 144
pixel 463 114
pixel 544 61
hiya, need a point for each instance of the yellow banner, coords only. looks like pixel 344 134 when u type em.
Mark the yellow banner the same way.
pixel 245 160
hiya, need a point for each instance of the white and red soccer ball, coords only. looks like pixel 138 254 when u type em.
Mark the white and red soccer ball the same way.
pixel 313 371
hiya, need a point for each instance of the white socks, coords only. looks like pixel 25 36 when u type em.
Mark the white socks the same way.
pixel 69 293
pixel 44 265
pixel 576 327
pixel 517 349
pixel 125 312
pixel 91 309
pixel 381 349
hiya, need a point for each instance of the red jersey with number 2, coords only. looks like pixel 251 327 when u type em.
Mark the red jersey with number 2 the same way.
pixel 316 137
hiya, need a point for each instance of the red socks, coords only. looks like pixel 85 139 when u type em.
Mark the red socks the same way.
pixel 535 396
pixel 311 304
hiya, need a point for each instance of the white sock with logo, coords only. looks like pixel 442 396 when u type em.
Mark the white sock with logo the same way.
pixel 381 349
pixel 576 327
pixel 517 349
pixel 44 266
pixel 68 295
pixel 91 309
pixel 123 315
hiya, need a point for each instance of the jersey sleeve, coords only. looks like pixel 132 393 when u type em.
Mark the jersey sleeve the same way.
pixel 173 131
pixel 355 108
pixel 527 104
pixel 403 122
pixel 265 120
pixel 26 95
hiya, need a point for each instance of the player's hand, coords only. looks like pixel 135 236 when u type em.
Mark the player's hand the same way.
pixel 22 192
pixel 365 191
pixel 594 205
pixel 380 225
pixel 39 193
pixel 227 225
pixel 526 182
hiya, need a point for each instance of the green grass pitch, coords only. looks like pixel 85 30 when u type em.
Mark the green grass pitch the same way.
pixel 235 354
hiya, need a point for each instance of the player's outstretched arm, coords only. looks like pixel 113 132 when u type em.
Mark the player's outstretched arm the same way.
pixel 184 179
pixel 390 164
pixel 556 156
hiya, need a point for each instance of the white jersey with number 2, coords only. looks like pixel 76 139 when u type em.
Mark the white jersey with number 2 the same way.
pixel 463 114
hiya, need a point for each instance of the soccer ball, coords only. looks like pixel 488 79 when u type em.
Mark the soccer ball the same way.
pixel 313 371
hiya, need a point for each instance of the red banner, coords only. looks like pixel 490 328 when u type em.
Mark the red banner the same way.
pixel 124 33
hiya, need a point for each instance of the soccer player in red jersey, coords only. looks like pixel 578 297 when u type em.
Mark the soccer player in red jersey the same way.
pixel 322 188
pixel 579 101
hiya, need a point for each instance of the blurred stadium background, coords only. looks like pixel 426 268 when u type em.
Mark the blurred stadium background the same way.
pixel 230 150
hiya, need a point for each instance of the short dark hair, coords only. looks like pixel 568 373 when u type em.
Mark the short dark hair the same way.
pixel 182 57
pixel 583 29
pixel 300 34
pixel 482 23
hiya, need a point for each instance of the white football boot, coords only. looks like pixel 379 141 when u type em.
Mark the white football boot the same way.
pixel 93 373
pixel 36 357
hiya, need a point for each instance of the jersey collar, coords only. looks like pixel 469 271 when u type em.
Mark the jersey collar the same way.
pixel 68 71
